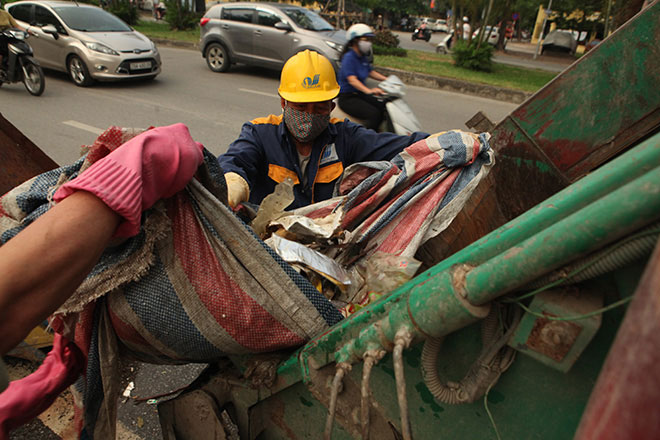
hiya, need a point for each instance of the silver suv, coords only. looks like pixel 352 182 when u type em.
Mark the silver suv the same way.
pixel 265 34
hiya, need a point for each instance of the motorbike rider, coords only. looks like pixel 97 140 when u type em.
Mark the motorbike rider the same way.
pixel 355 98
pixel 159 9
pixel 467 29
pixel 422 28
pixel 7 22
pixel 303 143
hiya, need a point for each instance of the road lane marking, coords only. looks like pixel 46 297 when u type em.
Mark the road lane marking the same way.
pixel 82 126
pixel 257 92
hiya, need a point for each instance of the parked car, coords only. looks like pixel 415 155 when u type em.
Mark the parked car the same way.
pixel 441 25
pixel 430 23
pixel 86 42
pixel 492 36
pixel 559 41
pixel 265 34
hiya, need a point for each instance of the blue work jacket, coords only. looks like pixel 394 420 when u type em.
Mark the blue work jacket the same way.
pixel 265 154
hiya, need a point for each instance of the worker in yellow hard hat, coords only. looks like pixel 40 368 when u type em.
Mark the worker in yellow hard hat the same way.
pixel 303 143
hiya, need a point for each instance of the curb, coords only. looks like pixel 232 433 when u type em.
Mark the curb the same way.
pixel 458 86
pixel 175 43
pixel 415 79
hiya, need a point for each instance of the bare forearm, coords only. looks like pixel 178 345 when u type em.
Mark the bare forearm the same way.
pixel 44 264
pixel 377 76
pixel 355 82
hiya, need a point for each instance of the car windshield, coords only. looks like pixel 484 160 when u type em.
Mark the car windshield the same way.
pixel 85 19
pixel 307 19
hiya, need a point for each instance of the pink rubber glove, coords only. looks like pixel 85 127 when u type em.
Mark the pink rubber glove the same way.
pixel 26 398
pixel 153 165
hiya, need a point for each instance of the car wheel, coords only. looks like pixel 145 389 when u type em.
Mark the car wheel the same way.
pixel 217 58
pixel 78 72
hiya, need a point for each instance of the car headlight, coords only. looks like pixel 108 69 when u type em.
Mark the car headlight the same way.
pixel 98 47
pixel 336 46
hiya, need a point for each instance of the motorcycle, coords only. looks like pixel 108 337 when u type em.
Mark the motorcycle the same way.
pixel 422 34
pixel 444 46
pixel 399 117
pixel 19 66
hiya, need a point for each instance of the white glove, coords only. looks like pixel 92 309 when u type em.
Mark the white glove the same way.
pixel 238 190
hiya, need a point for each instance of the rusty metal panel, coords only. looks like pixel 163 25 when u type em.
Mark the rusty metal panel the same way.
pixel 602 104
pixel 20 158
pixel 524 175
pixel 480 215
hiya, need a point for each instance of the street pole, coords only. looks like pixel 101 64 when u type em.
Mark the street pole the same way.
pixel 545 20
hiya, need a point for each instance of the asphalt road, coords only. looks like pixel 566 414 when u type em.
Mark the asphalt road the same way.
pixel 214 106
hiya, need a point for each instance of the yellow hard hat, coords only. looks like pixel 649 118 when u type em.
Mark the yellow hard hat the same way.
pixel 308 77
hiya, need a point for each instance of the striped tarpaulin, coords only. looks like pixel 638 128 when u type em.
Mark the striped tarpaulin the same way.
pixel 394 207
pixel 195 285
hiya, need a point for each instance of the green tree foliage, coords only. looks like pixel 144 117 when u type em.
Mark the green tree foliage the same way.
pixel 473 56
pixel 578 15
pixel 387 43
pixel 125 10
pixel 391 8
pixel 179 15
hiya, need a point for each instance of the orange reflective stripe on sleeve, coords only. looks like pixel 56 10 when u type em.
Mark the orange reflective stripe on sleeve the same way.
pixel 329 173
pixel 279 173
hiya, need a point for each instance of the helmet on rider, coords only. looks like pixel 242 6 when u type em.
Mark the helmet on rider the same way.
pixel 358 30
pixel 465 19
pixel 308 77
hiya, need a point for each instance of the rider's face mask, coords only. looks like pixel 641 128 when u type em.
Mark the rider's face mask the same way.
pixel 365 47
pixel 303 125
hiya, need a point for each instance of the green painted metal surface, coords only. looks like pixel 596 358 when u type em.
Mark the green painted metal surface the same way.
pixel 615 174
pixel 623 211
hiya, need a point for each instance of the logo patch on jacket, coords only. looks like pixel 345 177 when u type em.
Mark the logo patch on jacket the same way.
pixel 329 155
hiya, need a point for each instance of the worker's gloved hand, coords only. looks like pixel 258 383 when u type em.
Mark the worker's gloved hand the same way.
pixel 26 398
pixel 238 190
pixel 153 165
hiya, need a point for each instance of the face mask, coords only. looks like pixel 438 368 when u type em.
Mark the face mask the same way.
pixel 365 47
pixel 305 127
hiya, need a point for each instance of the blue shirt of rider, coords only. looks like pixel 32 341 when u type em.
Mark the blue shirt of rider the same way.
pixel 353 64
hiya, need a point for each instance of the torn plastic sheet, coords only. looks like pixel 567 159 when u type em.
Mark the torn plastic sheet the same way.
pixel 302 226
pixel 293 252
